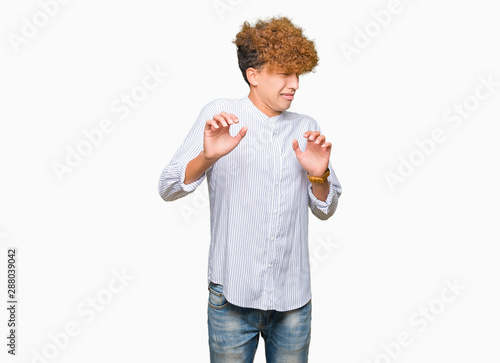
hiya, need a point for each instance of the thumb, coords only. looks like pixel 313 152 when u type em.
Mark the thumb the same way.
pixel 296 148
pixel 241 133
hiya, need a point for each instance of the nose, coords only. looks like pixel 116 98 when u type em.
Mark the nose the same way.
pixel 293 82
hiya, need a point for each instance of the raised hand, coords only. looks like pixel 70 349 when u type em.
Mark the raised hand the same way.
pixel 317 154
pixel 217 141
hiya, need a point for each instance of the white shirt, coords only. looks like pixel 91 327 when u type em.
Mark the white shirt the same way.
pixel 259 202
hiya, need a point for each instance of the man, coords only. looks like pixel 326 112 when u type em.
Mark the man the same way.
pixel 261 187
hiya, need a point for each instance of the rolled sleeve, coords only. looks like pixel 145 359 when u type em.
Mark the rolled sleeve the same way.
pixel 171 185
pixel 325 209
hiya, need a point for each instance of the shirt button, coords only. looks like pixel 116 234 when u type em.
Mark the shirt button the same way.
pixel 272 238
pixel 276 183
pixel 269 266
pixel 277 156
pixel 275 211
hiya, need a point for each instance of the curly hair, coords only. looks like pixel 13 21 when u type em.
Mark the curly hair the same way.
pixel 277 44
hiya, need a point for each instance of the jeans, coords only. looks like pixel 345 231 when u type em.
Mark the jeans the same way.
pixel 233 331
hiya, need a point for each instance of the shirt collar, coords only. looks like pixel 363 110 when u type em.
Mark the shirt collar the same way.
pixel 259 113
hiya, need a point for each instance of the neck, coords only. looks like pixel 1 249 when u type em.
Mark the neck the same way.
pixel 262 106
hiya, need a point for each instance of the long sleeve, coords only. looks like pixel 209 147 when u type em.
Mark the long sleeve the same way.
pixel 171 185
pixel 325 209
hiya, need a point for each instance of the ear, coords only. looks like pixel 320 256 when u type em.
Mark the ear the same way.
pixel 252 75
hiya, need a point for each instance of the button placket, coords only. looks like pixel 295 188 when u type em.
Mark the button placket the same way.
pixel 275 175
pixel 274 211
pixel 276 193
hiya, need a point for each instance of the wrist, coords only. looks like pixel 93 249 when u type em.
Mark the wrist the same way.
pixel 317 173
pixel 208 159
pixel 322 179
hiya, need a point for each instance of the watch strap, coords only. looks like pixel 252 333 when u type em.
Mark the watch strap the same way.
pixel 318 179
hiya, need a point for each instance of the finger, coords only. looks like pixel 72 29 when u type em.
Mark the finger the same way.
pixel 313 135
pixel 230 118
pixel 307 133
pixel 241 133
pixel 221 120
pixel 210 124
pixel 227 118
pixel 233 117
pixel 296 148
pixel 320 139
pixel 327 145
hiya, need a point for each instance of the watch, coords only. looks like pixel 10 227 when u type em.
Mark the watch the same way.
pixel 318 179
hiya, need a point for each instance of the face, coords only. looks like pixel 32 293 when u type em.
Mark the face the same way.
pixel 274 91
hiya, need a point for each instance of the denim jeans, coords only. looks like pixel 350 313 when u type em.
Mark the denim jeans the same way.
pixel 233 331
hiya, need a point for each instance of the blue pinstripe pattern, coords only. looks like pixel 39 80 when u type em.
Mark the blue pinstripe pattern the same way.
pixel 259 202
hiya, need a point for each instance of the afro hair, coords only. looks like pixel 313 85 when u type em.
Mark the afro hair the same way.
pixel 277 44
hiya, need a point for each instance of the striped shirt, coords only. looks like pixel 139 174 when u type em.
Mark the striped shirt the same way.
pixel 259 202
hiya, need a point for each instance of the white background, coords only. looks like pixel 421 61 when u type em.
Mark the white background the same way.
pixel 384 254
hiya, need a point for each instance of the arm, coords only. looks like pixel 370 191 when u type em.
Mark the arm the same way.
pixel 172 184
pixel 320 190
pixel 197 167
pixel 206 142
pixel 323 198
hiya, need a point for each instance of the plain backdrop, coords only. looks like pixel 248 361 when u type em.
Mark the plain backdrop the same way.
pixel 384 262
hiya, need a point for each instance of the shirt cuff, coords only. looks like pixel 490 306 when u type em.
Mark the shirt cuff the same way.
pixel 322 205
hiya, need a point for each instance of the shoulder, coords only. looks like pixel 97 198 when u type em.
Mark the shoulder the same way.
pixel 217 106
pixel 305 120
pixel 223 105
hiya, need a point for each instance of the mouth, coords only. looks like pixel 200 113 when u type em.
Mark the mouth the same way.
pixel 287 96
